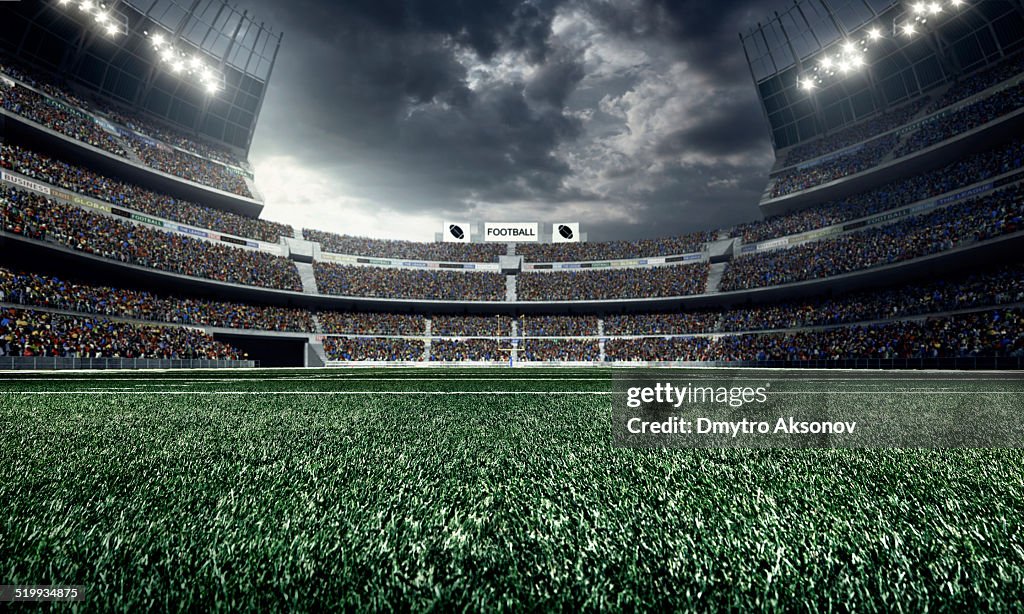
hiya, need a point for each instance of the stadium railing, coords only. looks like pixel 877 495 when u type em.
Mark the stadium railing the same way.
pixel 14 363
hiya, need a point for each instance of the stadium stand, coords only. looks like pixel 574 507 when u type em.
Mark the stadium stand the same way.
pixel 978 82
pixel 854 134
pixel 558 326
pixel 614 250
pixel 59 117
pixel 657 349
pixel 370 323
pixel 38 217
pixel 64 112
pixel 85 182
pixel 600 284
pixel 51 292
pixel 972 169
pixel 187 166
pixel 35 333
pixel 562 350
pixel 983 334
pixel 862 159
pixel 662 323
pixel 346 280
pixel 935 130
pixel 170 136
pixel 383 248
pixel 961 223
pixel 975 114
pixel 457 350
pixel 376 349
pixel 484 326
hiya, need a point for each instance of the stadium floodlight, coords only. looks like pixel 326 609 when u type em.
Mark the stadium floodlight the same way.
pixel 920 8
pixel 105 20
pixel 874 34
pixel 186 63
pixel 826 62
pixel 934 8
pixel 957 3
pixel 909 29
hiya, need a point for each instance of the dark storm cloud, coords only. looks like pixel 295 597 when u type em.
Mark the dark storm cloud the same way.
pixel 704 31
pixel 387 98
pixel 727 127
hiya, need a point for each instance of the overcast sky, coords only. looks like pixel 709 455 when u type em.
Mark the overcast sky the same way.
pixel 637 118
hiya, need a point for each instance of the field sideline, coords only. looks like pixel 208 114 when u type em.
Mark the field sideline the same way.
pixel 485 489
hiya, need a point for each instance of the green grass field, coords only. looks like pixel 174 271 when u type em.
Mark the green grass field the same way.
pixel 381 489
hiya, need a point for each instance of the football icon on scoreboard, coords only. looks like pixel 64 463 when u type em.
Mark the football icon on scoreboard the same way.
pixel 456 232
pixel 565 232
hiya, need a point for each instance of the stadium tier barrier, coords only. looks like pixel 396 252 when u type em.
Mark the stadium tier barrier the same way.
pixel 53 363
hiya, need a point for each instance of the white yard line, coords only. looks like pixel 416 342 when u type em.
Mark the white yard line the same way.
pixel 466 392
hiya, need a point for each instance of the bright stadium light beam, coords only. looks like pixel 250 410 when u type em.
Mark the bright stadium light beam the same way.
pixel 934 8
pixel 849 47
pixel 826 62
pixel 874 34
pixel 909 29
pixel 158 39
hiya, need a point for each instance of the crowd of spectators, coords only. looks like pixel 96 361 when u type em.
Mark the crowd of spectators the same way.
pixel 971 116
pixel 558 326
pixel 85 182
pixel 979 81
pixel 484 326
pixel 167 135
pixel 855 134
pixel 614 250
pixel 598 284
pixel 535 350
pixel 370 323
pixel 38 217
pixel 972 169
pixel 37 290
pixel 452 350
pixel 35 333
pixel 411 250
pixel 662 323
pixel 658 349
pixel 979 334
pixel 976 219
pixel 350 280
pixel 61 91
pixel 57 116
pixel 797 179
pixel 999 287
pixel 187 166
pixel 372 348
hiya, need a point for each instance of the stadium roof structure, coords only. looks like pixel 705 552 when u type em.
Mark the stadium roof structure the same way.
pixel 822 65
pixel 121 63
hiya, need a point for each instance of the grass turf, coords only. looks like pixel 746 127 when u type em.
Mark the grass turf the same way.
pixel 219 501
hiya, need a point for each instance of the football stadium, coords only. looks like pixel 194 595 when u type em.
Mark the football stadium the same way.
pixel 205 408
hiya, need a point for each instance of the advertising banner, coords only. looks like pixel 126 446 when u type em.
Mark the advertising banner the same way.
pixel 565 232
pixel 509 232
